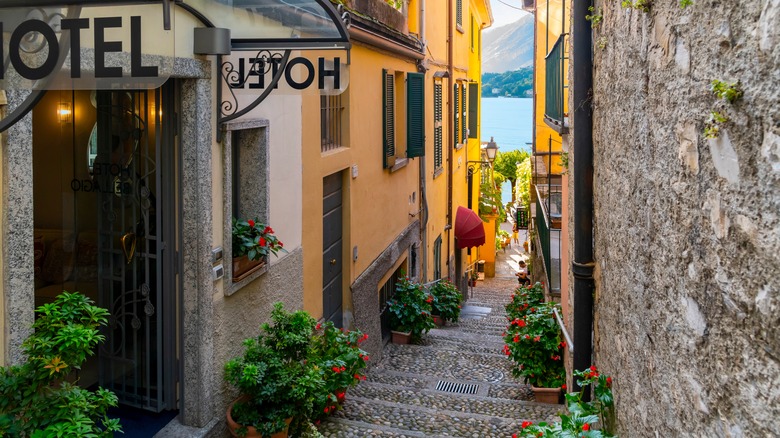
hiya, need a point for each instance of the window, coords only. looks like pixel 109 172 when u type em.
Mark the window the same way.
pixel 437 258
pixel 386 292
pixel 463 126
pixel 456 113
pixel 331 111
pixel 459 14
pixel 400 106
pixel 388 118
pixel 415 115
pixel 473 109
pixel 437 125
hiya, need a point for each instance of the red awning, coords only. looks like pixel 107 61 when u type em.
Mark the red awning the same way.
pixel 469 229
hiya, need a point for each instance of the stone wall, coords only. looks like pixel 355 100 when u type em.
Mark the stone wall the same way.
pixel 687 230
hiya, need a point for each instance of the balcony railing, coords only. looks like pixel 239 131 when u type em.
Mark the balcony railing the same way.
pixel 555 86
pixel 548 224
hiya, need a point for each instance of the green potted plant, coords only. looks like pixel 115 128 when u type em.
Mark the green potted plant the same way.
pixel 37 398
pixel 473 278
pixel 274 378
pixel 338 354
pixel 410 312
pixel 533 343
pixel 595 418
pixel 252 243
pixel 445 302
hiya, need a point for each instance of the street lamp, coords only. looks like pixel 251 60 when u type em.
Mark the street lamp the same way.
pixel 491 149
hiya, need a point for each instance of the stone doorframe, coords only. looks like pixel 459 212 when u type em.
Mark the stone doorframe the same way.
pixel 196 139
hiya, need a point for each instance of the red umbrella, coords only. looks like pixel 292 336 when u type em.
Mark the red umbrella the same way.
pixel 469 229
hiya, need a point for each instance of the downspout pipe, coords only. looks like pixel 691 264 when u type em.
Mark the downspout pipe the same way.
pixel 451 131
pixel 423 193
pixel 583 264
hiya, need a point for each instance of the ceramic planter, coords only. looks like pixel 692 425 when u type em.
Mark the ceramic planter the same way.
pixel 438 320
pixel 547 395
pixel 401 337
pixel 251 431
pixel 243 267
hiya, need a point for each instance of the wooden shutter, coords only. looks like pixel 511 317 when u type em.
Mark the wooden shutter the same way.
pixel 437 124
pixel 473 110
pixel 388 118
pixel 415 115
pixel 463 126
pixel 456 112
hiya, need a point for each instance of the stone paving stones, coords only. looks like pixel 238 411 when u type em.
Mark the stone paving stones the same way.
pixel 399 397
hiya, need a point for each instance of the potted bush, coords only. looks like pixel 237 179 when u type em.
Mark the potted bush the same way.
pixel 338 354
pixel 410 312
pixel 445 302
pixel 533 342
pixel 37 398
pixel 274 378
pixel 252 242
pixel 473 278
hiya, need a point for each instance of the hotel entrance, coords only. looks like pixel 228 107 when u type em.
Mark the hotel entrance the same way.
pixel 105 214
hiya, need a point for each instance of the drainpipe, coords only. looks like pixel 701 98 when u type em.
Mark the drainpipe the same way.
pixel 582 265
pixel 450 135
pixel 423 193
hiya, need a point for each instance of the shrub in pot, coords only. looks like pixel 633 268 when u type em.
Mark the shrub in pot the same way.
pixel 274 378
pixel 533 343
pixel 338 354
pixel 446 299
pixel 37 398
pixel 410 309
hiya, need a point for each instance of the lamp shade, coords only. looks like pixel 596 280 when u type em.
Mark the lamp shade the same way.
pixel 491 149
pixel 469 228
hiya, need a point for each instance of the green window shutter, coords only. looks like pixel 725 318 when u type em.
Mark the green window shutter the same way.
pixel 456 112
pixel 415 115
pixel 437 124
pixel 388 117
pixel 463 126
pixel 459 13
pixel 473 109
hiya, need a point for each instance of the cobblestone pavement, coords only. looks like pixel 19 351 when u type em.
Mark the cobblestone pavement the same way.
pixel 399 398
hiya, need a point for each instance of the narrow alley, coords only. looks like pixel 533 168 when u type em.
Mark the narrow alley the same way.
pixel 403 397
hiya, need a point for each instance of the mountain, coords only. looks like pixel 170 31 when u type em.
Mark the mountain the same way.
pixel 516 83
pixel 509 47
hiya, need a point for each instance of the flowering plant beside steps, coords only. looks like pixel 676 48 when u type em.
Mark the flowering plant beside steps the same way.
pixel 254 239
pixel 593 419
pixel 410 309
pixel 445 300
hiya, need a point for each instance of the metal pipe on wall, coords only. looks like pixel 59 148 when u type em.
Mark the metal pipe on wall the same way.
pixel 582 265
pixel 451 133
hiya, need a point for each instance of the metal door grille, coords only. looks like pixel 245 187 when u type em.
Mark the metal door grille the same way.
pixel 457 388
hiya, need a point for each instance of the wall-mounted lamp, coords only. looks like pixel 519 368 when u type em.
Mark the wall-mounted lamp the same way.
pixel 491 149
pixel 65 112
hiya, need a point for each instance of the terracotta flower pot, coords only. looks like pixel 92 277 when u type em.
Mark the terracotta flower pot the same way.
pixel 438 320
pixel 242 267
pixel 547 395
pixel 401 337
pixel 251 431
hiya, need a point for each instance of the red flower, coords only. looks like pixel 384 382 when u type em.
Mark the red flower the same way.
pixel 514 435
pixel 521 323
pixel 586 426
pixel 516 338
pixel 593 368
pixel 281 245
pixel 563 344
pixel 526 424
pixel 365 358
pixel 318 326
pixel 251 223
pixel 261 241
pixel 563 387
pixel 609 382
pixel 268 230
pixel 342 369
pixel 527 336
pixel 536 339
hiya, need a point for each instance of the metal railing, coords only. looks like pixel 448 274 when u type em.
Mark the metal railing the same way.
pixel 549 236
pixel 555 84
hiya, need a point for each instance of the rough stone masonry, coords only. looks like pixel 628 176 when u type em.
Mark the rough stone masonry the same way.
pixel 687 229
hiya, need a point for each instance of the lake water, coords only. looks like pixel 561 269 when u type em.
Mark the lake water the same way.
pixel 510 122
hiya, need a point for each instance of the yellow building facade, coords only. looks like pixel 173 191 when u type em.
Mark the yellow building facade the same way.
pixel 387 167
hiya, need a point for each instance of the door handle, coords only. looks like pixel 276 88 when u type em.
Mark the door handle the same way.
pixel 333 261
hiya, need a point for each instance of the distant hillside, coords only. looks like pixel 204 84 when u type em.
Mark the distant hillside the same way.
pixel 509 47
pixel 518 83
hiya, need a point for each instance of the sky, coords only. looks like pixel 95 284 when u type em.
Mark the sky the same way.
pixel 506 11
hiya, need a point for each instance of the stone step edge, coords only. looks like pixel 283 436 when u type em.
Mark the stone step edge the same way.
pixel 430 390
pixel 447 412
pixel 377 427
pixel 427 377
